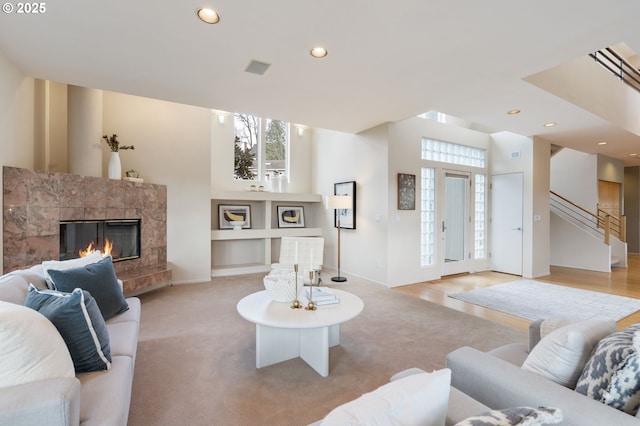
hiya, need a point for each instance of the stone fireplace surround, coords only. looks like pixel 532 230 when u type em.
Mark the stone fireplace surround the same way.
pixel 34 203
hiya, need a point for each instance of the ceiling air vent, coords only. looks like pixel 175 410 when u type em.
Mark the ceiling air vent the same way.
pixel 257 67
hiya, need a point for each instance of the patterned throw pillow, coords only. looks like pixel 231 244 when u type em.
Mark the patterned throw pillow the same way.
pixel 523 416
pixel 612 375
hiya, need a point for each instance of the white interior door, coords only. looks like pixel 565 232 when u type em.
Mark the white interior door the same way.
pixel 455 226
pixel 506 223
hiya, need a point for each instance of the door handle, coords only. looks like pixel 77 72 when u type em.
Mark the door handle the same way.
pixel 443 227
pixel 516 229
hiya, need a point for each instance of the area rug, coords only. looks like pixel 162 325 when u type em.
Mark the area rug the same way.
pixel 535 299
pixel 196 362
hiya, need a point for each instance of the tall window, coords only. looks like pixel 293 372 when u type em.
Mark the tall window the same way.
pixel 428 217
pixel 261 147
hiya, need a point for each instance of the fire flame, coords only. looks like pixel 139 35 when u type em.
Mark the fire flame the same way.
pixel 108 246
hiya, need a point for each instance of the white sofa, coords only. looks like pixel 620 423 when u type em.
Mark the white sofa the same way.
pixel 93 398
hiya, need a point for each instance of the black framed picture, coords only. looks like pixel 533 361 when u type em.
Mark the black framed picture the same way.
pixel 347 216
pixel 406 191
pixel 290 217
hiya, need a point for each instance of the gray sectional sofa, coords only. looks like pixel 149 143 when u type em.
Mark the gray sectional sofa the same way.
pixel 506 379
pixel 89 398
pixel 497 380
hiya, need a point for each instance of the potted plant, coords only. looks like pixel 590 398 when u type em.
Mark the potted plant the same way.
pixel 114 145
pixel 115 168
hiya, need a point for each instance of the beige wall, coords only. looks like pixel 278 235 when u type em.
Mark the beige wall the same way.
pixel 16 119
pixel 172 147
pixel 385 247
pixel 342 157
pixel 405 145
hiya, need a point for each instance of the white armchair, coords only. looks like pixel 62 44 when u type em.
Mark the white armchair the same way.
pixel 308 252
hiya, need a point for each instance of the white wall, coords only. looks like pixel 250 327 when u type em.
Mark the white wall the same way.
pixel 172 147
pixel 385 247
pixel 405 144
pixel 16 120
pixel 533 162
pixel 574 176
pixel 340 157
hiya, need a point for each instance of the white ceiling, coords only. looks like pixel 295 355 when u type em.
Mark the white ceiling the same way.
pixel 387 61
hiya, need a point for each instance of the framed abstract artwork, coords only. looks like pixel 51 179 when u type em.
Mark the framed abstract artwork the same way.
pixel 406 191
pixel 230 216
pixel 290 217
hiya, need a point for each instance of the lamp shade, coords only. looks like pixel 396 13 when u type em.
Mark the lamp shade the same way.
pixel 339 202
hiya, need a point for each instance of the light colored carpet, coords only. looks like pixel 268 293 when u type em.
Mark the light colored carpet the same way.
pixel 196 355
pixel 535 299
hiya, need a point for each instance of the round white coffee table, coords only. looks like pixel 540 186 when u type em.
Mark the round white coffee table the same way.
pixel 283 333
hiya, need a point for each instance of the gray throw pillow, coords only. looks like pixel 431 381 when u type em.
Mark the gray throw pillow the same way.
pixel 79 322
pixel 99 279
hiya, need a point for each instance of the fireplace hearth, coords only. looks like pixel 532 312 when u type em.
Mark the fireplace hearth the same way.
pixel 36 202
pixel 122 235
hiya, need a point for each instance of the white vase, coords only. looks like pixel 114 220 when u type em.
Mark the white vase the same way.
pixel 115 169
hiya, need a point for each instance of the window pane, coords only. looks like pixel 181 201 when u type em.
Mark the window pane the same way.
pixel 277 141
pixel 247 134
pixel 428 224
pixel 479 238
pixel 452 153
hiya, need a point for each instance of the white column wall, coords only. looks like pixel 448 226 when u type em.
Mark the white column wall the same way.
pixel 84 124
pixel 16 122
pixel 172 148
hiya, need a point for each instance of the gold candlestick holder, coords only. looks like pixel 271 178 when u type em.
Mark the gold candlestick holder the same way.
pixel 296 303
pixel 311 306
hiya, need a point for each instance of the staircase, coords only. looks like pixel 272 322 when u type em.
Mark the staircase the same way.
pixel 585 240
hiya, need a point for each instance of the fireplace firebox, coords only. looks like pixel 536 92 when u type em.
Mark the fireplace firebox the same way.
pixel 123 235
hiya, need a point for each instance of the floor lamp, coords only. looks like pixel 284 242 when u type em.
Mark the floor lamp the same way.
pixel 339 202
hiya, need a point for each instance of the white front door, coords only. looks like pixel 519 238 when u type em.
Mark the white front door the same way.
pixel 506 223
pixel 455 226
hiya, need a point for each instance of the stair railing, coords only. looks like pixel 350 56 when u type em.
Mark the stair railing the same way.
pixel 618 66
pixel 617 225
pixel 602 223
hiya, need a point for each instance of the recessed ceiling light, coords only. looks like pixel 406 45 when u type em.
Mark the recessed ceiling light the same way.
pixel 602 143
pixel 208 15
pixel 551 124
pixel 513 112
pixel 318 52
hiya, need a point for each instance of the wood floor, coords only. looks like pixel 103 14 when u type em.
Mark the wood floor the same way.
pixel 621 281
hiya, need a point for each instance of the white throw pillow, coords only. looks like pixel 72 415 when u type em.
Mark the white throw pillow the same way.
pixel 562 354
pixel 419 399
pixel 62 265
pixel 31 348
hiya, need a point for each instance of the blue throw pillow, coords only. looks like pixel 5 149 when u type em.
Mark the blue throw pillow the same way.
pixel 79 322
pixel 99 279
